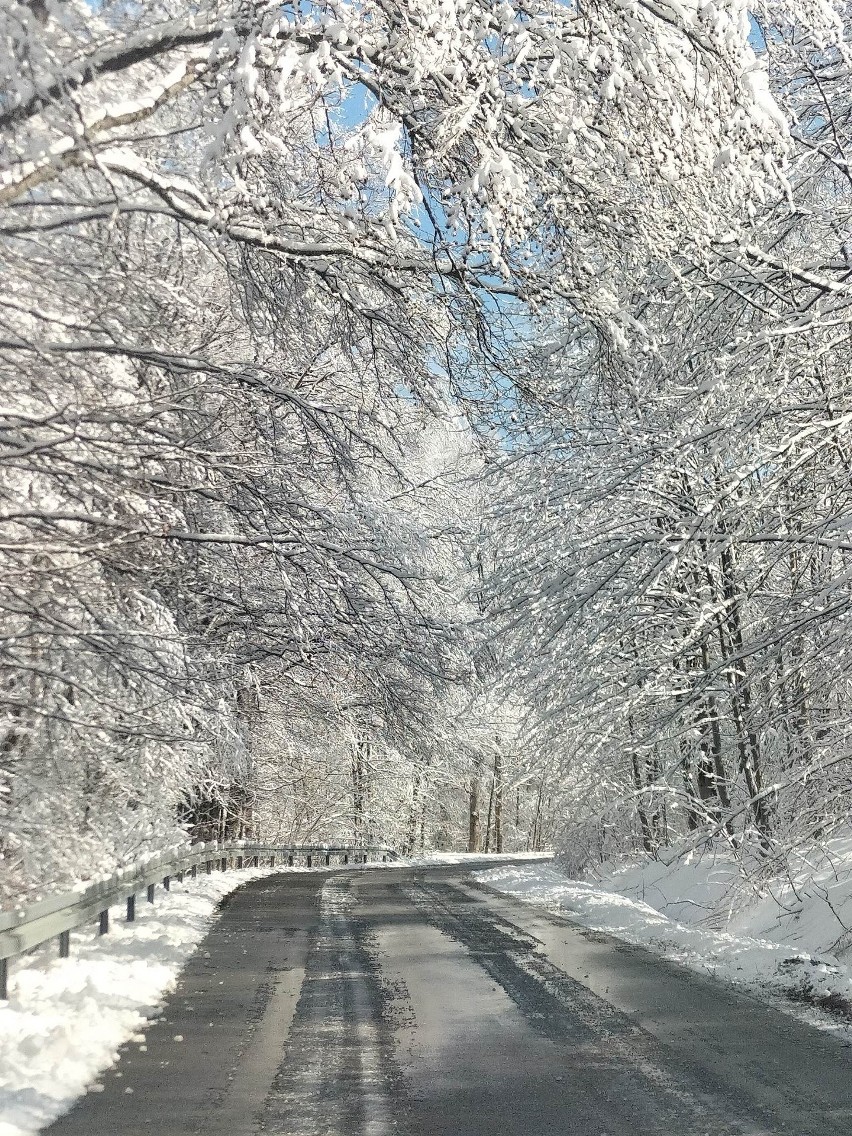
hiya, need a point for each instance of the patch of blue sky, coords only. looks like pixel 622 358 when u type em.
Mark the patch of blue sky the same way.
pixel 755 35
pixel 353 108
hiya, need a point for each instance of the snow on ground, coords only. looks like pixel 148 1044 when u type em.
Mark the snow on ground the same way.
pixel 438 858
pixel 66 1018
pixel 790 937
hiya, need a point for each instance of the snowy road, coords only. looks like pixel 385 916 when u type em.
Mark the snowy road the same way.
pixel 411 1002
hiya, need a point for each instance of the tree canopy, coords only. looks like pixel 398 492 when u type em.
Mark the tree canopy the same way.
pixel 416 407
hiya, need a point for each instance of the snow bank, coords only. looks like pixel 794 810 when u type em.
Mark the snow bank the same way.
pixel 66 1018
pixel 809 908
pixel 790 938
pixel 438 858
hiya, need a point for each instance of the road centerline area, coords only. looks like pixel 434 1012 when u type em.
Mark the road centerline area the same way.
pixel 338 1071
pixel 406 1002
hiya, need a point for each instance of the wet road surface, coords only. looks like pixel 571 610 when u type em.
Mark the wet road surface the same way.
pixel 414 1003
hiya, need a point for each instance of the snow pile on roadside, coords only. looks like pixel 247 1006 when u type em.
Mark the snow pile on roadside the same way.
pixel 810 908
pixel 66 1018
pixel 679 911
pixel 470 858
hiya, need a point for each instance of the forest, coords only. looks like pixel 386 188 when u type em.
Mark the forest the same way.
pixel 424 422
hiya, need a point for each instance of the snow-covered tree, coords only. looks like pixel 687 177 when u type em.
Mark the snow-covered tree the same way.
pixel 671 526
pixel 245 250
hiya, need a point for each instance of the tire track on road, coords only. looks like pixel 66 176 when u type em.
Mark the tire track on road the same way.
pixel 339 1075
pixel 591 1031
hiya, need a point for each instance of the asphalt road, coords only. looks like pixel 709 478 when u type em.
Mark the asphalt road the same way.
pixel 413 1003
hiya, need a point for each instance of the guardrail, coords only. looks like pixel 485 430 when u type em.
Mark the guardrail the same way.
pixel 57 916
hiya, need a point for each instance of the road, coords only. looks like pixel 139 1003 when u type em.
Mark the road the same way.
pixel 415 1003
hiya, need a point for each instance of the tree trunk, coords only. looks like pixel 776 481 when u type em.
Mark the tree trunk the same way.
pixel 411 828
pixel 639 786
pixel 488 821
pixel 710 724
pixel 498 800
pixel 748 745
pixel 423 797
pixel 473 815
pixel 360 757
pixel 535 830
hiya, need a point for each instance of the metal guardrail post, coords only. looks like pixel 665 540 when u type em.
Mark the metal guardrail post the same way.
pixel 103 922
pixel 151 891
pixel 167 883
pixel 131 908
pixel 4 980
pixel 64 944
